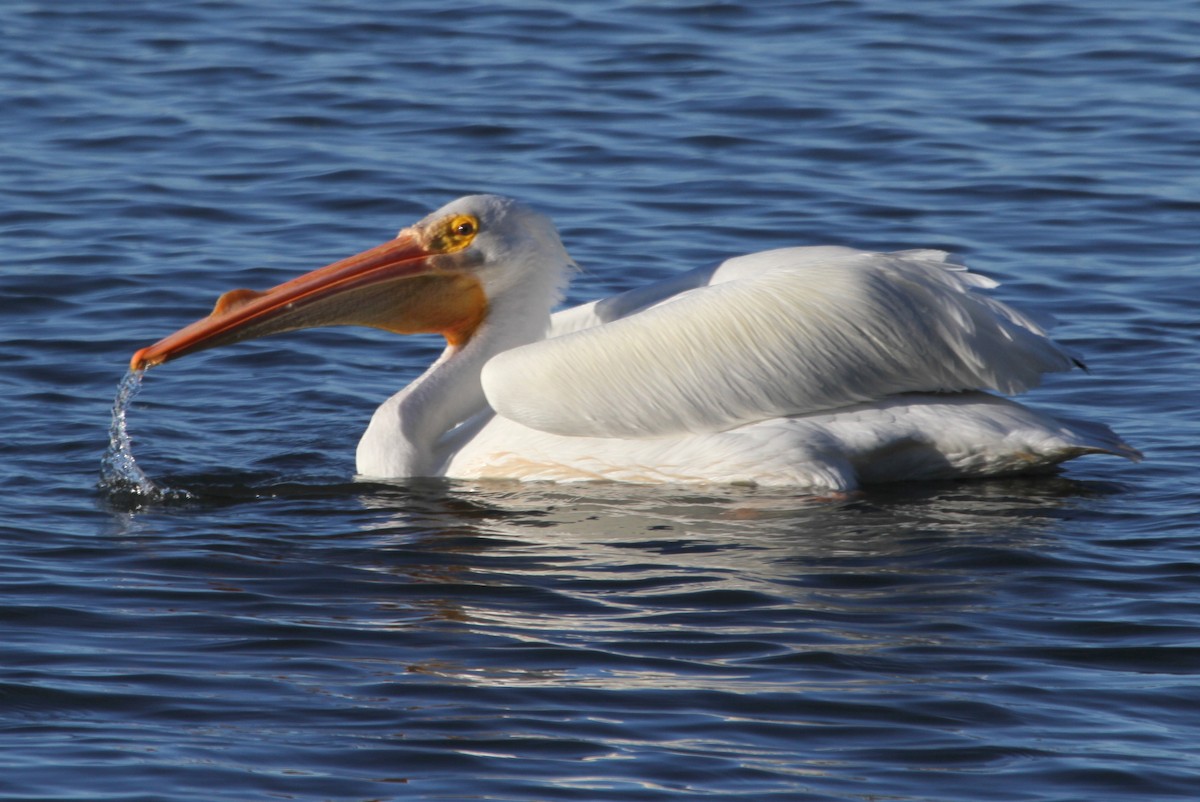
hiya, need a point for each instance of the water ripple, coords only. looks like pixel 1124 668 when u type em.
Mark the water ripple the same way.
pixel 278 629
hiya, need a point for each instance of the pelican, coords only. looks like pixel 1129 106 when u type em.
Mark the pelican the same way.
pixel 821 368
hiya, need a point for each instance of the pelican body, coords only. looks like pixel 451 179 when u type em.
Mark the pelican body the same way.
pixel 823 368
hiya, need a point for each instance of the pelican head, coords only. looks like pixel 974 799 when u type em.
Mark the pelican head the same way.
pixel 442 275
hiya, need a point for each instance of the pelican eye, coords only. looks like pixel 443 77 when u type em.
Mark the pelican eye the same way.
pixel 456 232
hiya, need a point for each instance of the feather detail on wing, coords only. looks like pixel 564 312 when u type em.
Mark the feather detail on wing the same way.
pixel 776 333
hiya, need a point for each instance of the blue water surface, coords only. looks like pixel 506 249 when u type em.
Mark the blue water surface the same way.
pixel 286 632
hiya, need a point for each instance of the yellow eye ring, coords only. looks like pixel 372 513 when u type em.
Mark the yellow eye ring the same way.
pixel 454 233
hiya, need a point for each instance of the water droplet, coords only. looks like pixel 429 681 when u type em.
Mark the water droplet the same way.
pixel 120 475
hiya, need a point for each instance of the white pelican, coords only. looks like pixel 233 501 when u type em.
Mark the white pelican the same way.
pixel 821 367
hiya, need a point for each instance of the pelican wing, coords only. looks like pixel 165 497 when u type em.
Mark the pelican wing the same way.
pixel 777 333
pixel 606 310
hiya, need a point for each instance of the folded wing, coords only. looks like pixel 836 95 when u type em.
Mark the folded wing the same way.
pixel 777 333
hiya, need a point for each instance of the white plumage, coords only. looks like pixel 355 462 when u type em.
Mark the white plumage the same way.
pixel 914 436
pixel 822 367
pixel 771 334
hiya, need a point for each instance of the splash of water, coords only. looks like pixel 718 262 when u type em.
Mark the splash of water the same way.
pixel 120 474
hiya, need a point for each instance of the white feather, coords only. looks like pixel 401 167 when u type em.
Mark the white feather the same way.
pixel 913 437
pixel 772 334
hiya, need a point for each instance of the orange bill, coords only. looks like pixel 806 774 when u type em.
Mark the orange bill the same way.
pixel 404 286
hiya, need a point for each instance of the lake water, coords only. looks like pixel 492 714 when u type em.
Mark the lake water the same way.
pixel 284 632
